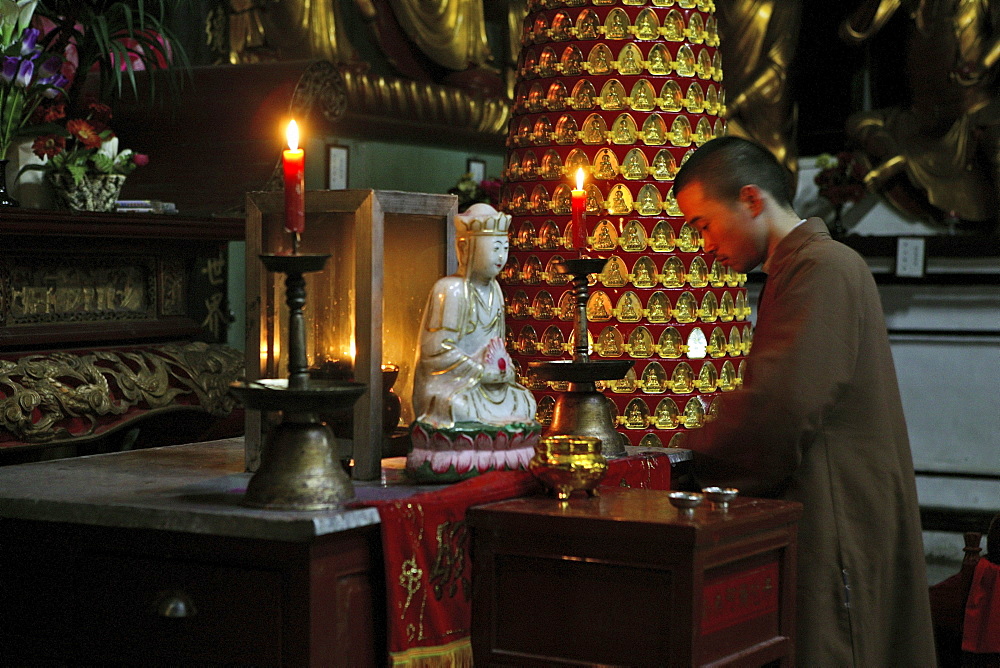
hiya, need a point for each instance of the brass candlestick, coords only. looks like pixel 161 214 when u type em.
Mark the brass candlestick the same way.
pixel 299 467
pixel 583 410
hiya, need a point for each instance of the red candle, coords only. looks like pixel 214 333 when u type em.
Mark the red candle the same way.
pixel 579 208
pixel 293 160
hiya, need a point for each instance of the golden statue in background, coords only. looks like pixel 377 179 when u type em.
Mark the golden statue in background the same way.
pixel 757 39
pixel 947 141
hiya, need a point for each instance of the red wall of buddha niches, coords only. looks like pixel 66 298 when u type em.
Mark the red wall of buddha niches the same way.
pixel 624 90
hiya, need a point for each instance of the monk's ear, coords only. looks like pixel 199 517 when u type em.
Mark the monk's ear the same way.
pixel 753 197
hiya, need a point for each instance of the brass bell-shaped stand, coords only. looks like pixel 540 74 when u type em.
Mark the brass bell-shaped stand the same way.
pixel 299 468
pixel 583 410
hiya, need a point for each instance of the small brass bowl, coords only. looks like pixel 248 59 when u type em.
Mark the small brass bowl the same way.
pixel 720 496
pixel 685 502
pixel 567 463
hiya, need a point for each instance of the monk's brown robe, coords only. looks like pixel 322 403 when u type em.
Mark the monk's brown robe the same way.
pixel 819 421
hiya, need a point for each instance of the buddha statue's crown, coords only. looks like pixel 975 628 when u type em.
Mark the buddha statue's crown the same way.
pixel 481 219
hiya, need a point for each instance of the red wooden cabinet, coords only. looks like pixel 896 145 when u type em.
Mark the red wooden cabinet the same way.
pixel 624 579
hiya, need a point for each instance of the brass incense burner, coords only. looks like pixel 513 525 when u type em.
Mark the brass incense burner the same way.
pixel 583 410
pixel 566 464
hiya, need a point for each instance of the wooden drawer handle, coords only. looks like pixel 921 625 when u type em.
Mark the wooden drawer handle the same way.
pixel 175 605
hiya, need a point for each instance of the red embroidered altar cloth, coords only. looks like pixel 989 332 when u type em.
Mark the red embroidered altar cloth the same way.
pixel 427 566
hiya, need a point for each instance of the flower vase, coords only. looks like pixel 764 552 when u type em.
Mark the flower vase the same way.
pixel 5 198
pixel 96 192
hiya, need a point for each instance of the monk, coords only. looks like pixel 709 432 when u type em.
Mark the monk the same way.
pixel 819 418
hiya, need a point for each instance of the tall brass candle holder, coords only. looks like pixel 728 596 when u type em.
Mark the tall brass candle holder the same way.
pixel 583 410
pixel 299 467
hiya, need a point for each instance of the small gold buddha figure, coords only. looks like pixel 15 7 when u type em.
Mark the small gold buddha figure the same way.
pixel 511 272
pixel 717 343
pixel 727 309
pixel 599 61
pixel 551 165
pixel 680 132
pixel 583 96
pixel 531 273
pixel 685 64
pixel 666 416
pixel 658 308
pixel 626 385
pixel 654 378
pixel 649 200
pixel 610 342
pixel 617 24
pixel 630 61
pixel 698 273
pixel 704 66
pixel 654 131
pixel 566 130
pixel 663 240
pixel 571 61
pixel 663 167
pixel 546 408
pixel 605 167
pixel 633 237
pixel 544 306
pixel 659 61
pixel 593 199
pixel 673 26
pixel 527 340
pixel 552 342
pixel 682 380
pixel 689 241
pixel 548 236
pixel 642 96
pixel 642 273
pixel 646 25
pixel 709 310
pixel 605 237
pixel 708 378
pixel 613 276
pixel 629 308
pixel 588 25
pixel 618 203
pixel 696 29
pixel 561 26
pixel 567 307
pixel 735 345
pixel 686 309
pixel 727 379
pixel 670 343
pixel 640 343
pixel 518 307
pixel 694 413
pixel 671 98
pixel 599 307
pixel 594 130
pixel 673 272
pixel 613 96
pixel 624 130
pixel 694 102
pixel 634 167
pixel 635 414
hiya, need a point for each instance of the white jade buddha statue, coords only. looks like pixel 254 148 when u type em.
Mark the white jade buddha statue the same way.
pixel 464 387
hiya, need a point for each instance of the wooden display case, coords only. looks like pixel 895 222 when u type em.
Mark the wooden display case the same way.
pixel 363 310
pixel 624 579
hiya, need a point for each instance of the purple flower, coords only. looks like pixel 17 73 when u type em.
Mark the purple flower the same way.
pixel 10 67
pixel 53 84
pixel 24 73
pixel 51 66
pixel 28 39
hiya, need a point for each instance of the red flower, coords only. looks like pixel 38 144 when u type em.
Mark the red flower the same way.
pixel 48 113
pixel 48 146
pixel 84 133
pixel 98 112
pixel 140 159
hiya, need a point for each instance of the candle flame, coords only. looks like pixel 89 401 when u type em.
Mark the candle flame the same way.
pixel 579 179
pixel 292 135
